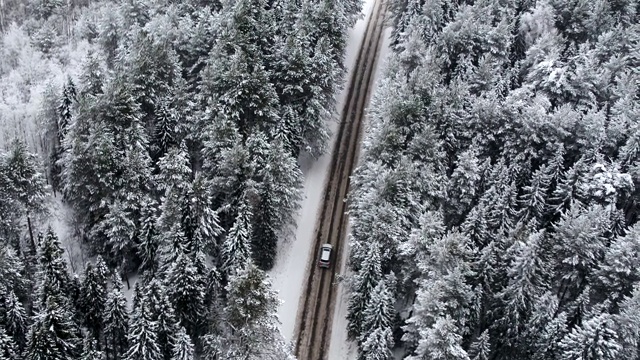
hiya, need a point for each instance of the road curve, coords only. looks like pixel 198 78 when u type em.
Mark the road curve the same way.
pixel 315 314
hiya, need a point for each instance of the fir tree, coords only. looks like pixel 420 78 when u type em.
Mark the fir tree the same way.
pixel 187 294
pixel 252 311
pixel 8 349
pixel 364 283
pixel 15 320
pixel 481 348
pixel 183 348
pixel 94 298
pixel 53 334
pixel 53 278
pixel 162 314
pixel 116 322
pixel 142 338
pixel 235 248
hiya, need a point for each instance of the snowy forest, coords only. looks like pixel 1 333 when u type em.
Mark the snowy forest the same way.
pixel 495 207
pixel 171 130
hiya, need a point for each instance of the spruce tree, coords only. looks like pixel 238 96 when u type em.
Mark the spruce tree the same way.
pixel 162 314
pixel 94 298
pixel 183 347
pixel 187 294
pixel 15 320
pixel 364 283
pixel 252 311
pixel 235 248
pixel 53 335
pixel 116 322
pixel 8 349
pixel 142 338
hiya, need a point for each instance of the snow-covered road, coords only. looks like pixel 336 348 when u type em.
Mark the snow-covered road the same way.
pixel 293 254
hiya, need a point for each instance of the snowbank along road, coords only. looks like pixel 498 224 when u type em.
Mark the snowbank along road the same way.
pixel 315 314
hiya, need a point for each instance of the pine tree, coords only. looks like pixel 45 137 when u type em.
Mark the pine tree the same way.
pixel 379 312
pixel 53 335
pixel 15 320
pixel 65 111
pixel 377 345
pixel 148 237
pixel 53 278
pixel 8 349
pixel 162 314
pixel 252 311
pixel 235 248
pixel 183 348
pixel 116 322
pixel 481 348
pixel 442 341
pixel 94 298
pixel 28 183
pixel 595 339
pixel 142 338
pixel 364 283
pixel 187 294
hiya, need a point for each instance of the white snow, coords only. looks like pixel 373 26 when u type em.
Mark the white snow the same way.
pixel 289 270
pixel 340 347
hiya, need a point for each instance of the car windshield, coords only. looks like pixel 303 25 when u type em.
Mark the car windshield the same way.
pixel 325 254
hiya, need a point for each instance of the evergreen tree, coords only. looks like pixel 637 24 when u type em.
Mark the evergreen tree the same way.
pixel 8 349
pixel 116 322
pixel 94 298
pixel 53 278
pixel 252 311
pixel 142 338
pixel 442 341
pixel 377 345
pixel 183 348
pixel 15 320
pixel 379 313
pixel 364 283
pixel 481 348
pixel 235 248
pixel 28 186
pixel 595 339
pixel 162 314
pixel 53 334
pixel 187 294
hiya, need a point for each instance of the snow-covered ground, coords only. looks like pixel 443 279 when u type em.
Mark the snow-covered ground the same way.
pixel 293 254
pixel 340 347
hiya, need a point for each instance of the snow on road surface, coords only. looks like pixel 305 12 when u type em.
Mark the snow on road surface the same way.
pixel 340 348
pixel 288 272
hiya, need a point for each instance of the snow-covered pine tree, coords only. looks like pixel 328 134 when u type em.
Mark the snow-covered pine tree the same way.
pixel 187 294
pixel 53 276
pixel 53 335
pixel 379 312
pixel 251 312
pixel 15 320
pixel 236 245
pixel 441 341
pixel 8 349
pixel 183 347
pixel 116 322
pixel 142 338
pixel 162 314
pixel 28 184
pixel 94 298
pixel 364 283
pixel 377 345
pixel 480 349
